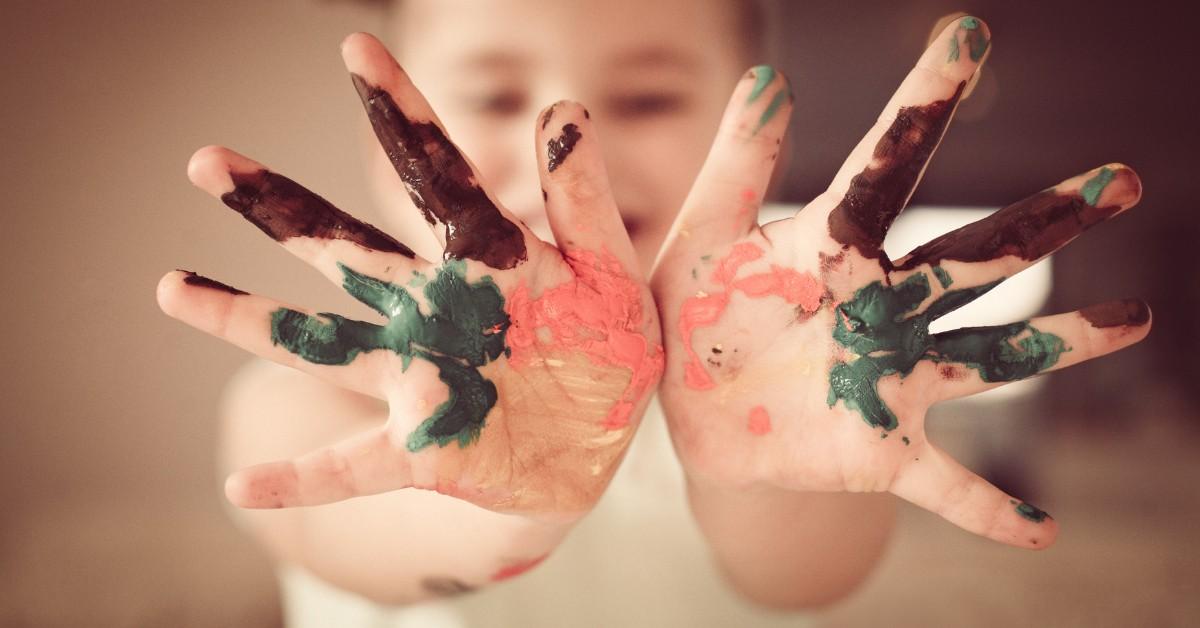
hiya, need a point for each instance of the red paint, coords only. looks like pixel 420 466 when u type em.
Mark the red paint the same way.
pixel 759 422
pixel 516 569
pixel 598 313
pixel 704 309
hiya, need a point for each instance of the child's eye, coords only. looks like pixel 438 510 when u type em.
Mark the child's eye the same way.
pixel 646 105
pixel 500 104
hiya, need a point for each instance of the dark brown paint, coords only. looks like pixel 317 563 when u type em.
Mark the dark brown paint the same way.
pixel 284 209
pixel 1123 313
pixel 1029 229
pixel 442 184
pixel 200 281
pixel 557 149
pixel 878 194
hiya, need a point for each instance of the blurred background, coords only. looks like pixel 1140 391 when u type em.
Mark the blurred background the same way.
pixel 110 508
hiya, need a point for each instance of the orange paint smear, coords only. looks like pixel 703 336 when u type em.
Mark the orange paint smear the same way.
pixel 704 309
pixel 759 422
pixel 600 314
pixel 517 569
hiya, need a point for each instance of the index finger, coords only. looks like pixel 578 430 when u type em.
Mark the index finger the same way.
pixel 439 179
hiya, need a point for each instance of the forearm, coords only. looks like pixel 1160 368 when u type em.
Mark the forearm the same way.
pixel 789 549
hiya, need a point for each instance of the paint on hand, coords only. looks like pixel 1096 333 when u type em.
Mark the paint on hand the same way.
pixel 599 313
pixel 558 148
pixel 878 194
pixel 759 422
pixel 1124 313
pixel 464 330
pixel 517 568
pixel 445 587
pixel 192 279
pixel 943 277
pixel 442 184
pixel 976 40
pixel 764 75
pixel 881 326
pixel 1091 189
pixel 1031 228
pixel 284 209
pixel 704 309
pixel 1031 512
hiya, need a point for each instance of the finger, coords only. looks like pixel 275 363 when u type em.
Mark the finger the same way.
pixel 328 346
pixel 440 180
pixel 579 202
pixel 1016 237
pixel 936 482
pixel 879 177
pixel 967 361
pixel 362 465
pixel 307 225
pixel 723 204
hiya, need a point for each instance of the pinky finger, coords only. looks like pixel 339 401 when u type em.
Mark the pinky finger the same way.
pixel 365 464
pixel 936 482
pixel 248 321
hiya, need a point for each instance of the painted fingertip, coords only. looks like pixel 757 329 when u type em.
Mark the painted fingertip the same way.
pixel 1122 313
pixel 561 125
pixel 969 39
pixel 1112 185
pixel 768 93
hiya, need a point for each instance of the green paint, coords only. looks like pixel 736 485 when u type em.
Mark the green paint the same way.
pixel 977 43
pixel 706 258
pixel 777 101
pixel 418 280
pixel 695 275
pixel 763 75
pixel 1031 512
pixel 1094 186
pixel 943 277
pixel 464 330
pixel 881 325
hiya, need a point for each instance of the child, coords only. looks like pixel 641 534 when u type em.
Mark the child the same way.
pixel 797 357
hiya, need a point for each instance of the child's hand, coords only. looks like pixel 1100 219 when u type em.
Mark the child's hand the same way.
pixel 516 372
pixel 800 354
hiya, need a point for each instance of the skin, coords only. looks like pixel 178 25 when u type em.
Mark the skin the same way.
pixel 488 402
pixel 657 109
pixel 844 383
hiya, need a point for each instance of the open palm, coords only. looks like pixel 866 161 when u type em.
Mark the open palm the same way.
pixel 800 355
pixel 515 371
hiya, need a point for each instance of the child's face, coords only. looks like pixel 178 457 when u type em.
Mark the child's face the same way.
pixel 655 77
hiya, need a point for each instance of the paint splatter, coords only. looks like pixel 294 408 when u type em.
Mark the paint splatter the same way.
pixel 445 587
pixel 1031 512
pixel 1091 189
pixel 464 330
pixel 200 281
pixel 975 38
pixel 517 568
pixel 878 194
pixel 284 209
pixel 759 422
pixel 882 327
pixel 599 314
pixel 442 184
pixel 705 308
pixel 557 149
